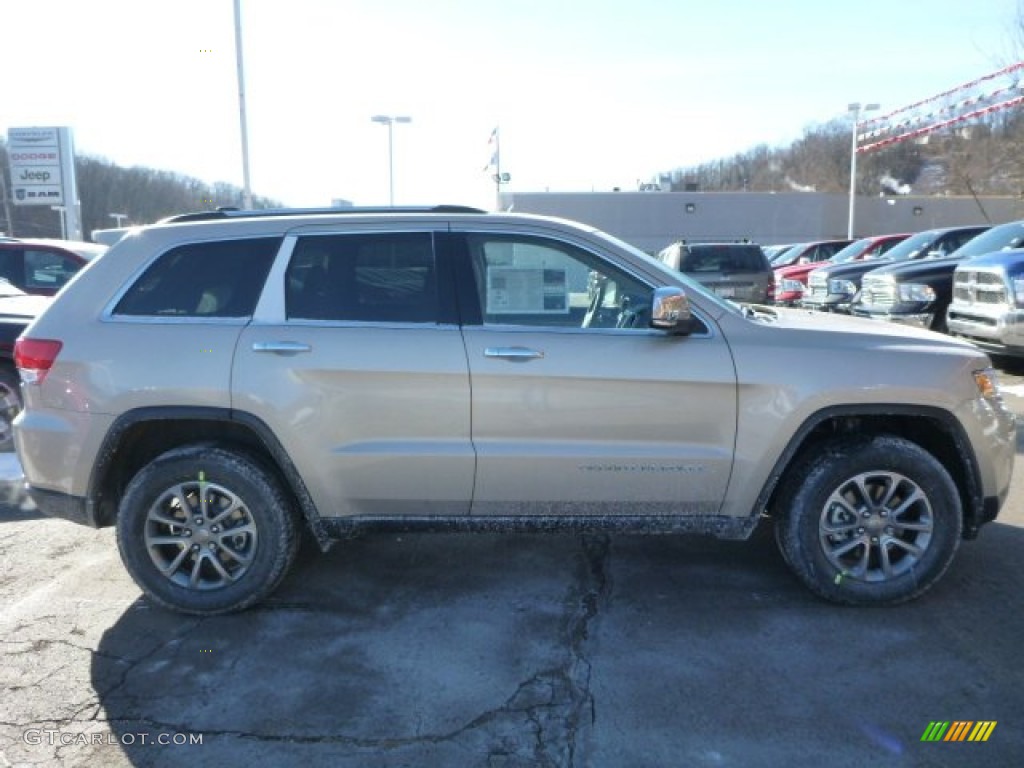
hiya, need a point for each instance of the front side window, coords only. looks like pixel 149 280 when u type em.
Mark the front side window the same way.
pixel 380 277
pixel 524 280
pixel 215 279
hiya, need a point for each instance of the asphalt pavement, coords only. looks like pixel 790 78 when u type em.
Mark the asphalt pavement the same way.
pixel 506 650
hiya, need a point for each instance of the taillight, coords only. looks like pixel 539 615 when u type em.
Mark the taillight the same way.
pixel 35 357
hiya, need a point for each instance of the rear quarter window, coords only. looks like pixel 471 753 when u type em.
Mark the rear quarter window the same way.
pixel 214 279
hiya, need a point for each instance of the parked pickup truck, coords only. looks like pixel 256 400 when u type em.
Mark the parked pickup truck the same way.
pixel 791 281
pixel 834 288
pixel 919 292
pixel 988 302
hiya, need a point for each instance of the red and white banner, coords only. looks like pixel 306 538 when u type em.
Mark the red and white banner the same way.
pixel 968 101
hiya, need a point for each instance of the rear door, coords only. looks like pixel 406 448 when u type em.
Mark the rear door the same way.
pixel 355 361
pixel 578 406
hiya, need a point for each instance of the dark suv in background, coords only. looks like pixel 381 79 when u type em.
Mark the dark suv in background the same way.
pixel 834 288
pixel 919 293
pixel 737 271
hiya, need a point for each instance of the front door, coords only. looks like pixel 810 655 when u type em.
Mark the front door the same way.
pixel 580 407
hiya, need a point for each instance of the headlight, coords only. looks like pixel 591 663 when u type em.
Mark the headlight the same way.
pixel 1018 290
pixel 847 287
pixel 791 286
pixel 988 383
pixel 916 292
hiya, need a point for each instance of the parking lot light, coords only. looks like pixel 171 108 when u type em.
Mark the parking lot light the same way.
pixel 855 108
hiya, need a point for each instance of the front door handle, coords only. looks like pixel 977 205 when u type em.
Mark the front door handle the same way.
pixel 521 354
pixel 281 347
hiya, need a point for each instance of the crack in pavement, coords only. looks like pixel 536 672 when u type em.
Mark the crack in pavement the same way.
pixel 540 724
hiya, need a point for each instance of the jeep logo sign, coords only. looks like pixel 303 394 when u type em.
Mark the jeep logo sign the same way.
pixel 35 176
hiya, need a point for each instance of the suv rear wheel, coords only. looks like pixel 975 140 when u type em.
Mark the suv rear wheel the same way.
pixel 869 521
pixel 206 530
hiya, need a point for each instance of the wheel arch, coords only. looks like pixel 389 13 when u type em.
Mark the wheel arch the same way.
pixel 140 435
pixel 933 429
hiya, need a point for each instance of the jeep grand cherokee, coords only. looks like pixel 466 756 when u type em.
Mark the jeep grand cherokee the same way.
pixel 216 383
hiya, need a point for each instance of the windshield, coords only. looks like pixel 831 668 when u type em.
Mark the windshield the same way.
pixel 998 238
pixel 788 256
pixel 913 247
pixel 852 251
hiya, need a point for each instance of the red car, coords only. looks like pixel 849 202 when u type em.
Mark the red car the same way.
pixel 791 281
pixel 41 267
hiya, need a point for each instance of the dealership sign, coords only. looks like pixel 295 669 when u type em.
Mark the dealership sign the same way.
pixel 37 157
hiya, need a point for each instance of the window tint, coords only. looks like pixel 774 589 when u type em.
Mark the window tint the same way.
pixel 217 279
pixel 364 277
pixel 723 258
pixel 46 269
pixel 12 266
pixel 540 282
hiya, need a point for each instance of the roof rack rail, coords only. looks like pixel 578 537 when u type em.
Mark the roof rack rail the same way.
pixel 235 213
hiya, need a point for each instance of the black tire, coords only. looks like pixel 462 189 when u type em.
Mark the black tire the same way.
pixel 870 521
pixel 218 557
pixel 10 406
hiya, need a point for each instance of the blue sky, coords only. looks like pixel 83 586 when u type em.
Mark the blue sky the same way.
pixel 589 94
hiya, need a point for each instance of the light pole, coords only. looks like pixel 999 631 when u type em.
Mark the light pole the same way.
pixel 118 217
pixel 855 109
pixel 243 121
pixel 389 121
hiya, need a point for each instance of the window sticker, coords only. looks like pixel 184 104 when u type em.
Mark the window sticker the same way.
pixel 523 290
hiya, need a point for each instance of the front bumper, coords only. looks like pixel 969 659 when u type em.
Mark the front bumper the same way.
pixel 999 328
pixel 913 319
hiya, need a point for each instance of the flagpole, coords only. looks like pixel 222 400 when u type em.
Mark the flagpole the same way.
pixel 497 169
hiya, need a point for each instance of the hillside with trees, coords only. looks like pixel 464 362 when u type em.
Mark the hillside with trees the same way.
pixel 983 157
pixel 143 195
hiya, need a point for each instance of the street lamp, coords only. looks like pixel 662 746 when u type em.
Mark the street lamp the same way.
pixel 118 217
pixel 855 108
pixel 389 121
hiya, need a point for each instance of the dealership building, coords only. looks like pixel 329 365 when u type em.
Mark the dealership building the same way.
pixel 652 220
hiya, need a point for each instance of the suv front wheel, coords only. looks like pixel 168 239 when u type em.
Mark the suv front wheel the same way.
pixel 869 521
pixel 206 530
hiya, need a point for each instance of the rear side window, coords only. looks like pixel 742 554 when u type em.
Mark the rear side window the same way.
pixel 216 279
pixel 386 277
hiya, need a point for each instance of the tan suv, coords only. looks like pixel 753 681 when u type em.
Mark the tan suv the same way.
pixel 217 382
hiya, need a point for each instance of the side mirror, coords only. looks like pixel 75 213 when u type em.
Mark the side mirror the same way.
pixel 670 310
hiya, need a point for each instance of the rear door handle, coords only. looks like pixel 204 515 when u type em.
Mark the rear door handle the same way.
pixel 281 347
pixel 513 353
